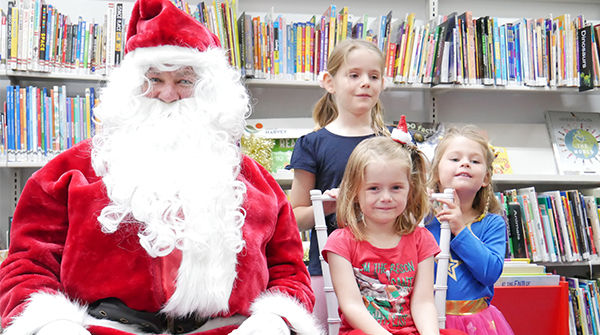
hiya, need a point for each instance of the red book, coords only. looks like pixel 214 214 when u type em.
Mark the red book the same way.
pixel 391 58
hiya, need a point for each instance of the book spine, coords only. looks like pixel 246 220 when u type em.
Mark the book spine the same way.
pixel 118 32
pixel 585 59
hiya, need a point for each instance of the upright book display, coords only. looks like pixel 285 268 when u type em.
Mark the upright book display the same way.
pixel 574 137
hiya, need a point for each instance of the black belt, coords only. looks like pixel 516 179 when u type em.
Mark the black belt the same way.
pixel 158 323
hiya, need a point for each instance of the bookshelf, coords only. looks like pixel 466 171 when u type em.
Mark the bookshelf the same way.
pixel 512 115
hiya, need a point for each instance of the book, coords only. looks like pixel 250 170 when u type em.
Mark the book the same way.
pixel 513 269
pixel 517 236
pixel 527 280
pixel 574 138
pixel 501 164
pixel 531 196
pixel 584 42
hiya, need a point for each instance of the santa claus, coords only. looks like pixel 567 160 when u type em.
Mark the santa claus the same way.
pixel 158 224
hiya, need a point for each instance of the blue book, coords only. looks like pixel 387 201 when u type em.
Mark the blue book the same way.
pixel 518 66
pixel 10 117
pixel 289 55
pixel 17 118
pixel 503 59
pixel 497 57
pixel 76 121
pixel 294 48
pixel 79 45
pixel 282 46
pixel 69 130
pixel 276 49
pixel 92 105
pixel 47 122
pixel 48 34
pixel 29 116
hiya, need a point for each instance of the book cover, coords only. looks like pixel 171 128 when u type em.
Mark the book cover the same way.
pixel 516 229
pixel 592 214
pixel 586 64
pixel 118 32
pixel 550 235
pixel 501 164
pixel 559 215
pixel 509 268
pixel 555 225
pixel 528 280
pixel 579 222
pixel 443 44
pixel 574 137
pixel 534 212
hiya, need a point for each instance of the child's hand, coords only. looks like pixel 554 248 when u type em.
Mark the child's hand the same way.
pixel 329 206
pixel 452 214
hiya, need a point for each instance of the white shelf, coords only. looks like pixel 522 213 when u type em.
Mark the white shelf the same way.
pixel 558 181
pixel 52 75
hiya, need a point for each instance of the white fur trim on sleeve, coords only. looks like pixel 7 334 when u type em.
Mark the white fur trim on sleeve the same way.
pixel 43 308
pixel 285 306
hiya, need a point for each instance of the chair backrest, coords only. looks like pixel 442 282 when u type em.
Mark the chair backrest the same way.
pixel 443 259
pixel 333 318
pixel 441 276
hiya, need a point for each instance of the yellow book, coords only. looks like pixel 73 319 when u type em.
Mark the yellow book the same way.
pixel 299 49
pixel 332 27
pixel 229 29
pixel 409 44
pixel 523 269
pixel 343 22
pixel 236 36
pixel 14 37
pixel 308 41
pixel 501 164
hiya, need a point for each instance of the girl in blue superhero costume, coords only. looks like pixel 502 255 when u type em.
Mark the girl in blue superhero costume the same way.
pixel 463 161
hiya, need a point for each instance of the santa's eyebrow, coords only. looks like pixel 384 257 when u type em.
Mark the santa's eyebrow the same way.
pixel 185 72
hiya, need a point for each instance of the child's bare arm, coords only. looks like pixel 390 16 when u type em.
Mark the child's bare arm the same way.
pixel 349 297
pixel 303 183
pixel 422 305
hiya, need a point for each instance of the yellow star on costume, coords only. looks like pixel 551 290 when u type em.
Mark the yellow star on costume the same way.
pixel 452 265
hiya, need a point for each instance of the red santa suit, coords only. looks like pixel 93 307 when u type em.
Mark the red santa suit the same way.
pixel 57 247
pixel 61 260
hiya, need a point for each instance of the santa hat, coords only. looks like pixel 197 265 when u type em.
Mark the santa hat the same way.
pixel 401 134
pixel 156 23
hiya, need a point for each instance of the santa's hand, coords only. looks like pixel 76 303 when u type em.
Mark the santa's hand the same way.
pixel 263 323
pixel 62 327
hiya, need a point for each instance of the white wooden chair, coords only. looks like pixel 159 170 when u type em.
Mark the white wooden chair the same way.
pixel 333 317
pixel 441 277
pixel 443 259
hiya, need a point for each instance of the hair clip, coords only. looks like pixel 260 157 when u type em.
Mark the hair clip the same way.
pixel 495 151
pixel 401 134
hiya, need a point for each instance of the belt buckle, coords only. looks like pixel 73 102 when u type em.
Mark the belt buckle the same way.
pixel 172 325
pixel 183 325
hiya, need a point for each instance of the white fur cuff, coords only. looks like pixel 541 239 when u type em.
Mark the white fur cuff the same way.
pixel 288 307
pixel 44 308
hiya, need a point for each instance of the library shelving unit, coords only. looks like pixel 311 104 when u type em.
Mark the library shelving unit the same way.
pixel 513 116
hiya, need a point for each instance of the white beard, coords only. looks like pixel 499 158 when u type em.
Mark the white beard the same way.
pixel 170 167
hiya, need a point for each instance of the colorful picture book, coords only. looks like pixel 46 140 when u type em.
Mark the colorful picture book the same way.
pixel 574 137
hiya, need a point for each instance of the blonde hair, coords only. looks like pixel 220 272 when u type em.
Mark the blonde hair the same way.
pixel 325 110
pixel 484 201
pixel 376 149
